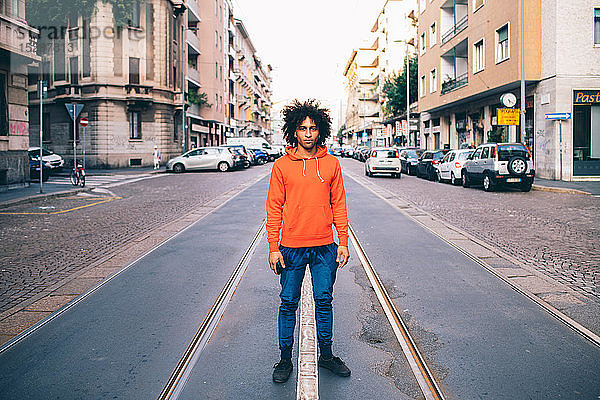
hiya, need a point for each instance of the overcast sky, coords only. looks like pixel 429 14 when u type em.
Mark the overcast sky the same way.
pixel 307 43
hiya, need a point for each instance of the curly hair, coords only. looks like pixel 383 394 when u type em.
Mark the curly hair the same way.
pixel 294 114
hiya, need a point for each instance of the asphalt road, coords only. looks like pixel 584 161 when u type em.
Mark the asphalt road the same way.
pixel 481 338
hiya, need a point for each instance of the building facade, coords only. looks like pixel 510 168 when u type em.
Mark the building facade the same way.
pixel 382 54
pixel 18 47
pixel 127 76
pixel 470 55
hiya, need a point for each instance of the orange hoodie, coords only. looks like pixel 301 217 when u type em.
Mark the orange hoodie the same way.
pixel 307 195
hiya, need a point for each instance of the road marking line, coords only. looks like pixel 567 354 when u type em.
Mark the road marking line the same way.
pixel 308 375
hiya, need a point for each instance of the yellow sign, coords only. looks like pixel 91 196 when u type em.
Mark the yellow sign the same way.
pixel 508 116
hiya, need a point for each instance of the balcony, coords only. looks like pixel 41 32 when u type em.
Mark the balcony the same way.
pixel 455 83
pixel 193 42
pixel 456 29
pixel 193 76
pixel 193 11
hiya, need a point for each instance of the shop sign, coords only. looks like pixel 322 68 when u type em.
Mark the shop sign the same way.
pixel 436 129
pixel 508 116
pixel 586 97
pixel 398 128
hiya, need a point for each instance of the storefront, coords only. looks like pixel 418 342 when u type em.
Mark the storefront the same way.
pixel 586 132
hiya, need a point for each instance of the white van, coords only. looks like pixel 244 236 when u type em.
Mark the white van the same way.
pixel 255 143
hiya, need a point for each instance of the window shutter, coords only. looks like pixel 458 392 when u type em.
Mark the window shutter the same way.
pixel 503 34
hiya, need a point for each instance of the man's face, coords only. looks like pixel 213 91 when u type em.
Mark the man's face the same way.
pixel 307 134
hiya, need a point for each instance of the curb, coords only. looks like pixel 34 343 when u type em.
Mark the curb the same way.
pixel 558 190
pixel 33 197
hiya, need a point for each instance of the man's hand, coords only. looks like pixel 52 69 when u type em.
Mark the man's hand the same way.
pixel 275 256
pixel 342 256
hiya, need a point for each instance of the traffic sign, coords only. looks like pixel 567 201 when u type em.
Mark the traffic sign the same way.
pixel 559 116
pixel 84 121
pixel 74 109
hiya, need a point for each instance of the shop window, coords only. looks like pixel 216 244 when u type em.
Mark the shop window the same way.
pixel 47 127
pixel 478 56
pixel 597 26
pixel 502 45
pixel 135 125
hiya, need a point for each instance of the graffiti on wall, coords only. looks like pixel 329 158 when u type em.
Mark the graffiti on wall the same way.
pixel 18 128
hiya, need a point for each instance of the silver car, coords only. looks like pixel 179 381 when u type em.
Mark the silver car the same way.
pixel 383 160
pixel 219 158
pixel 450 168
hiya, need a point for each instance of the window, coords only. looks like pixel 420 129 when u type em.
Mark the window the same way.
pixel 502 48
pixel 422 4
pixel 433 80
pixel 217 70
pixel 423 43
pixel 597 26
pixel 135 125
pixel 3 106
pixel 477 4
pixel 175 128
pixel 432 35
pixel 477 154
pixel 134 71
pixel 74 70
pixel 485 153
pixel 216 39
pixel 135 15
pixel 478 56
pixel 423 86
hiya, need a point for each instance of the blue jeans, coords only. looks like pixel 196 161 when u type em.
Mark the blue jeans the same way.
pixel 323 268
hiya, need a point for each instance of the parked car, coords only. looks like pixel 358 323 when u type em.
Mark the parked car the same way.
pixel 409 159
pixel 383 160
pixel 247 157
pixel 427 162
pixel 34 170
pixel 337 151
pixel 219 158
pixel 53 161
pixel 450 168
pixel 261 157
pixel 347 151
pixel 364 154
pixel 496 164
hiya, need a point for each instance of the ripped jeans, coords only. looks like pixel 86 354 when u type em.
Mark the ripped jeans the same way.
pixel 323 268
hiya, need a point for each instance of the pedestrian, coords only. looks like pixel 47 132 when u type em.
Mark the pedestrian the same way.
pixel 306 195
pixel 156 157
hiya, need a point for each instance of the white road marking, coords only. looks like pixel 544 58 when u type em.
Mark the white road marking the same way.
pixel 308 375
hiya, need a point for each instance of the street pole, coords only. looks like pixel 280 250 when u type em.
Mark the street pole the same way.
pixel 183 138
pixel 83 148
pixel 560 146
pixel 41 93
pixel 74 140
pixel 522 119
pixel 407 98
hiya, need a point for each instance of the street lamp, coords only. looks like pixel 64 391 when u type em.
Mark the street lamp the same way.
pixel 411 42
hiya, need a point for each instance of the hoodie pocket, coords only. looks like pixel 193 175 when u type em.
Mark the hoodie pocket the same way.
pixel 312 221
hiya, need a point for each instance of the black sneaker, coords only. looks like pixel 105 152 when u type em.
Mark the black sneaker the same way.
pixel 283 369
pixel 335 365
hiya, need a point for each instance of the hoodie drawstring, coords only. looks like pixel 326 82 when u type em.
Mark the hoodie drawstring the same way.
pixel 303 167
pixel 318 170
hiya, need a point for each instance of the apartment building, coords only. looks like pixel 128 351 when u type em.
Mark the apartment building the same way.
pixel 470 55
pixel 252 109
pixel 18 46
pixel 382 54
pixel 126 72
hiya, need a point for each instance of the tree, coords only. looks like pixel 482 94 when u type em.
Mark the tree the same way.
pixel 340 134
pixel 199 99
pixel 394 89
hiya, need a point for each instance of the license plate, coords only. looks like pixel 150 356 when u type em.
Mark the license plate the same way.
pixel 513 180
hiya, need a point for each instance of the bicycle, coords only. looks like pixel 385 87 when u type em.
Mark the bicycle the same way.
pixel 78 176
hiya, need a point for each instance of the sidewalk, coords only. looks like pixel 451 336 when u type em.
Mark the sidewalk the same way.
pixel 592 188
pixel 24 194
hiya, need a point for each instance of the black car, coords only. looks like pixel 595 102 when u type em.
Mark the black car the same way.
pixel 409 159
pixel 427 161
pixel 34 170
pixel 245 159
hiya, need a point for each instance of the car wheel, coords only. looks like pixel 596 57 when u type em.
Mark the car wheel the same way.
pixel 525 187
pixel 398 175
pixel 488 185
pixel 439 177
pixel 453 179
pixel 466 182
pixel 223 166
pixel 178 168
pixel 517 166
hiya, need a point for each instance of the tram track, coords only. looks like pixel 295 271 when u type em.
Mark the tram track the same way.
pixel 179 377
pixel 419 368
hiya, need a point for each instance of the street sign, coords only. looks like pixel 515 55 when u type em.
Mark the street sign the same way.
pixel 558 116
pixel 74 109
pixel 508 116
pixel 84 121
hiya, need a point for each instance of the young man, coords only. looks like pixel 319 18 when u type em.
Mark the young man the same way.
pixel 306 195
